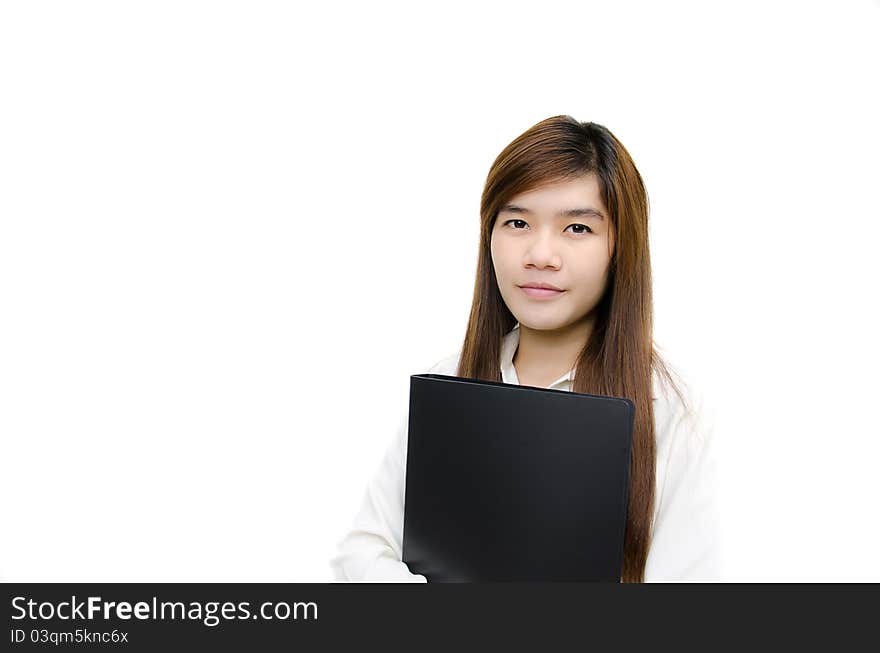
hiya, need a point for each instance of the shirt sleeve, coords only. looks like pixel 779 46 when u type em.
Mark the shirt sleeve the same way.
pixel 685 542
pixel 372 550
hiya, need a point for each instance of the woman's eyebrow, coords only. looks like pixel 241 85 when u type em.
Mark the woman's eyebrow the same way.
pixel 566 213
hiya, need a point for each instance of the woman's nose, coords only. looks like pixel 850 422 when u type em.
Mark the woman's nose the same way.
pixel 543 251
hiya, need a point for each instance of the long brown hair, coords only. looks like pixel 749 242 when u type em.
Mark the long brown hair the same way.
pixel 619 356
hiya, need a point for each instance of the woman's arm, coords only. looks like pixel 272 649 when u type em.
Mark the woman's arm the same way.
pixel 685 541
pixel 372 549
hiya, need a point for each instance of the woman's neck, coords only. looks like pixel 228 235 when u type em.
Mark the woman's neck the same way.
pixel 543 356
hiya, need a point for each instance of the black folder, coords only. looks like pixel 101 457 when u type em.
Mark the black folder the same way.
pixel 514 483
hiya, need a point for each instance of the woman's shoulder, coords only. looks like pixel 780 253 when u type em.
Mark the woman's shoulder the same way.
pixel 447 365
pixel 681 416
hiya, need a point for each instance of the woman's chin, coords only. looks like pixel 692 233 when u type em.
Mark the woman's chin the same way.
pixel 540 322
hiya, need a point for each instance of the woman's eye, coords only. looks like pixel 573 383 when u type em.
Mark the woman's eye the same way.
pixel 583 228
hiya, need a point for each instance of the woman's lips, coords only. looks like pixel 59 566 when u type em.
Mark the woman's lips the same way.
pixel 541 293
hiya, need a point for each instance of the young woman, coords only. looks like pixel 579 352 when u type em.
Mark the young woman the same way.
pixel 562 300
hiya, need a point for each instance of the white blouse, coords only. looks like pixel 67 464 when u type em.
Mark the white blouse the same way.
pixel 685 543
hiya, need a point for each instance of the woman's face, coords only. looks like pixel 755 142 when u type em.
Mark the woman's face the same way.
pixel 557 234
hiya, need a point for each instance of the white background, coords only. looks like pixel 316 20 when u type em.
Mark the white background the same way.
pixel 230 231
